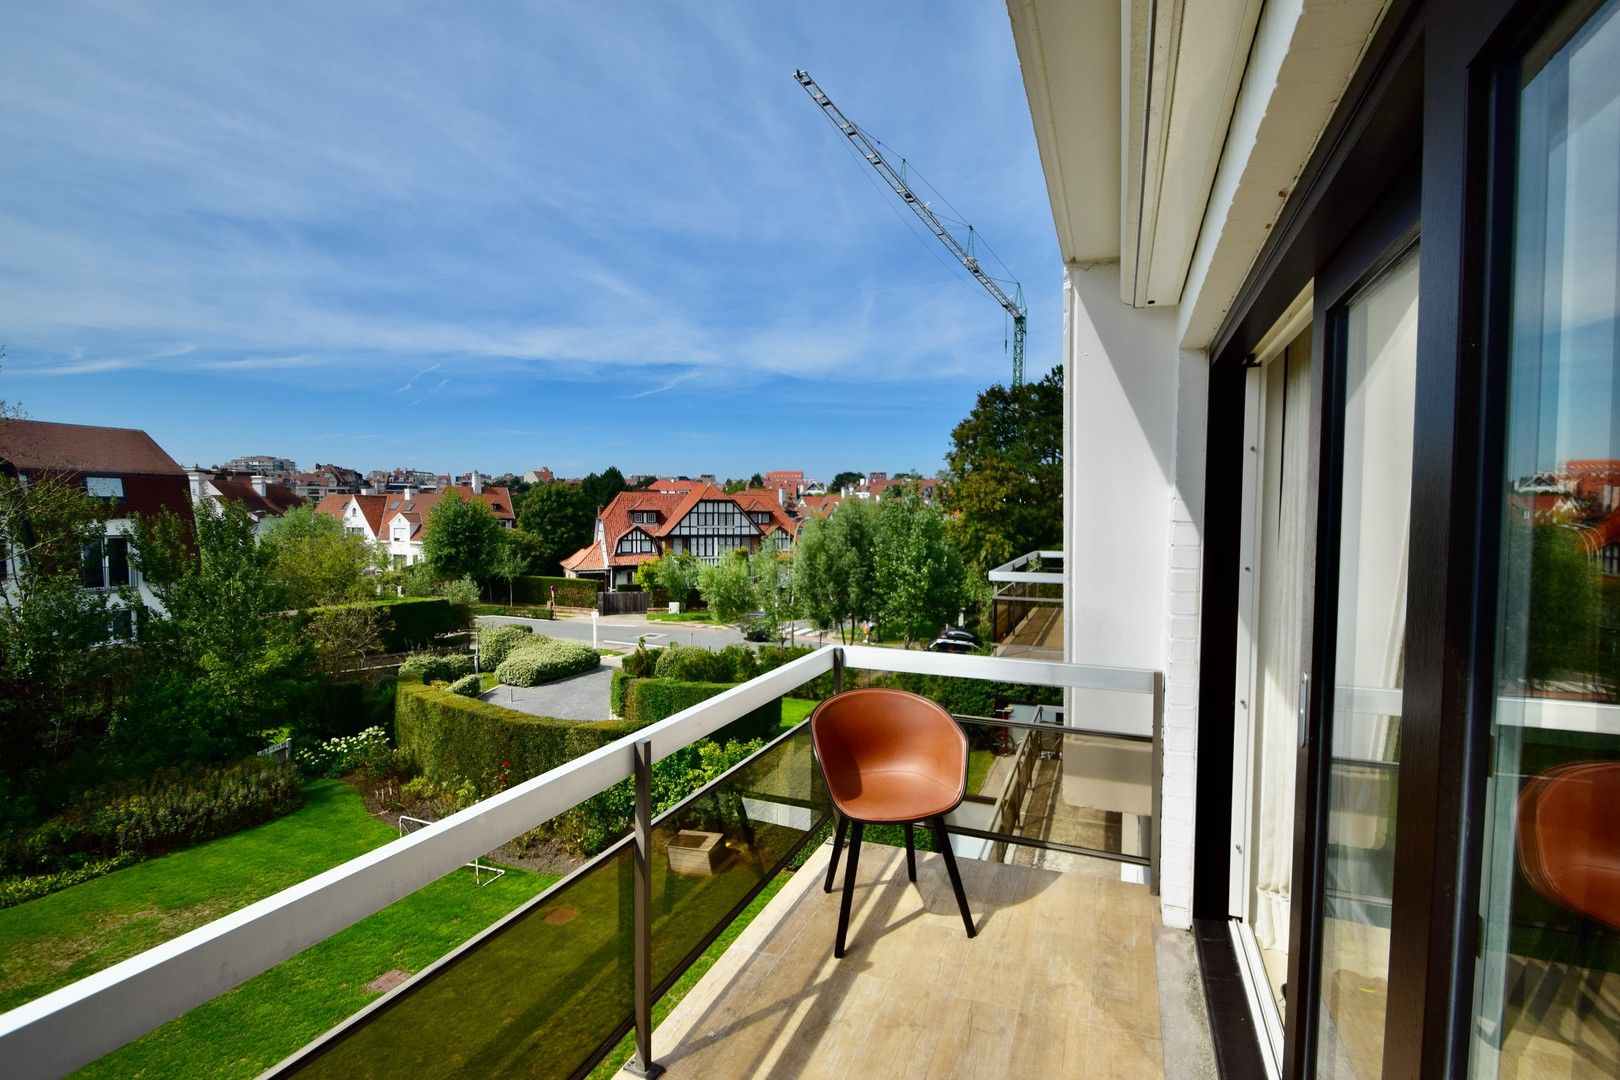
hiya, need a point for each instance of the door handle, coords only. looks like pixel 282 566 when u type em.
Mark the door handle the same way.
pixel 1304 709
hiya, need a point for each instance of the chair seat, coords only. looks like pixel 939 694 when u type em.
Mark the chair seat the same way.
pixel 892 796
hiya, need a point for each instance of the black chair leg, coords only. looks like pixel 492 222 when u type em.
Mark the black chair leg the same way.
pixel 838 849
pixel 849 888
pixel 911 854
pixel 944 842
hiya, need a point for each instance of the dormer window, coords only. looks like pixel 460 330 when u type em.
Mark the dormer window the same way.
pixel 643 517
pixel 105 487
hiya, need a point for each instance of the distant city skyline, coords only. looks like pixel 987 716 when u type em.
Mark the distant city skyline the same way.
pixel 509 234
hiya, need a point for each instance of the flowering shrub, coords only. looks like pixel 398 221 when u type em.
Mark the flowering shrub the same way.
pixel 545 659
pixel 368 750
pixel 468 686
pixel 495 643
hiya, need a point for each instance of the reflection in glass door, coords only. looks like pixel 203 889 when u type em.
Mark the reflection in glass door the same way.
pixel 1378 340
pixel 1547 981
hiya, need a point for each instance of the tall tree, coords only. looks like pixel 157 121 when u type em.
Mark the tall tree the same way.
pixel 677 575
pixel 1005 472
pixel 726 587
pixel 599 488
pixel 919 574
pixel 845 480
pixel 463 538
pixel 561 518
pixel 511 562
pixel 314 560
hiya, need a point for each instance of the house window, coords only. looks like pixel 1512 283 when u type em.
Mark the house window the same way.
pixel 643 517
pixel 106 563
pixel 105 487
pixel 760 517
pixel 635 543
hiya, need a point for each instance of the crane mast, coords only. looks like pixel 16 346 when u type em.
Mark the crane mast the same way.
pixel 868 149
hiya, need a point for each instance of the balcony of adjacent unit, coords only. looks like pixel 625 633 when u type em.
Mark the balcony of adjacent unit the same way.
pixel 1070 972
pixel 1027 606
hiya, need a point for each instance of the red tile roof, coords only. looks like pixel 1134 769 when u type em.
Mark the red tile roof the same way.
pixel 276 500
pixel 372 508
pixel 40 446
pixel 586 559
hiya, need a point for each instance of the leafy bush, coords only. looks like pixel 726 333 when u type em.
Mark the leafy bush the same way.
pixel 571 592
pixel 17 890
pixel 618 684
pixel 495 643
pixel 171 809
pixel 468 686
pixel 641 663
pixel 688 663
pixel 462 592
pixel 430 667
pixel 368 750
pixel 646 701
pixel 545 659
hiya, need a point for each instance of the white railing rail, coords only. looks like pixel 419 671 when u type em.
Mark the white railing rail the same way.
pixel 71 1027
pixel 1013 571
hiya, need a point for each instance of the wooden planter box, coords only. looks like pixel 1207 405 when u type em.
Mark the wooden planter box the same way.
pixel 696 854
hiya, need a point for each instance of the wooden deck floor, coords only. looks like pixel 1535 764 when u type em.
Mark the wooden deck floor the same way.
pixel 1060 981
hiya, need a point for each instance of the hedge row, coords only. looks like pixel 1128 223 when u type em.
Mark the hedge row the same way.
pixel 647 701
pixel 430 667
pixel 571 592
pixel 617 687
pixel 413 622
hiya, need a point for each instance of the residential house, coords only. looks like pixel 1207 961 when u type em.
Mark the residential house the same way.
pixel 122 465
pixel 324 480
pixel 397 522
pixel 639 526
pixel 541 475
pixel 790 481
pixel 263 499
pixel 279 469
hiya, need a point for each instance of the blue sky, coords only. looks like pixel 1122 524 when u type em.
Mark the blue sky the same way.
pixel 506 235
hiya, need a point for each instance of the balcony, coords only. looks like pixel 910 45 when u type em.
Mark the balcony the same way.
pixel 1071 971
pixel 1026 606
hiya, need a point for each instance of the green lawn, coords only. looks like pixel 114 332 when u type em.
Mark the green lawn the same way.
pixel 685 616
pixel 795 710
pixel 979 762
pixel 52 941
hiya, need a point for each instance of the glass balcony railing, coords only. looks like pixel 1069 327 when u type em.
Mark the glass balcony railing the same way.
pixel 1026 606
pixel 550 988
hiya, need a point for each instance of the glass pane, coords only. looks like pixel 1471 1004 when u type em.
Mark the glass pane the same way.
pixel 536 999
pixel 1380 371
pixel 712 851
pixel 1547 984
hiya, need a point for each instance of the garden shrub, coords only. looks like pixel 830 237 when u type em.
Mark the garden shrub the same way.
pixel 414 622
pixel 430 667
pixel 689 663
pixel 617 686
pixel 545 659
pixel 17 890
pixel 468 686
pixel 495 643
pixel 571 592
pixel 171 809
pixel 641 663
pixel 646 701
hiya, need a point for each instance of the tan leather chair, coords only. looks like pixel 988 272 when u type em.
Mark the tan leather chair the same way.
pixel 889 758
pixel 1569 838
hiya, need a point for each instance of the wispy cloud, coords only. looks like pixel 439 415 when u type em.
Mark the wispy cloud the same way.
pixel 412 381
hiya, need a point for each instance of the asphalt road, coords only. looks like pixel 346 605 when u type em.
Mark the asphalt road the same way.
pixel 578 697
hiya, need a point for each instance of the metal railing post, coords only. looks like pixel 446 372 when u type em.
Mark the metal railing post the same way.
pixel 642 1063
pixel 838 671
pixel 1155 851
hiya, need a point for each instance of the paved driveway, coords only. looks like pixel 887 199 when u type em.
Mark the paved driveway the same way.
pixel 621 631
pixel 578 697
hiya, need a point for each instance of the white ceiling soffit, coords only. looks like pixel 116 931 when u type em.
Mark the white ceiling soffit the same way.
pixel 1184 65
pixel 1303 56
pixel 1069 51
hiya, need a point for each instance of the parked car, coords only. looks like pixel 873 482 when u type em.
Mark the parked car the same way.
pixel 952 645
pixel 957 633
pixel 756 626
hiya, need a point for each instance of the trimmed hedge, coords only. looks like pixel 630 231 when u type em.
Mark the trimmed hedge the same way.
pixel 647 701
pixel 495 643
pixel 617 686
pixel 544 660
pixel 690 663
pixel 429 667
pixel 571 592
pixel 468 686
pixel 413 622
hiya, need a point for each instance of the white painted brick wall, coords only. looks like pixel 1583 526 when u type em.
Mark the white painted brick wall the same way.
pixel 1183 569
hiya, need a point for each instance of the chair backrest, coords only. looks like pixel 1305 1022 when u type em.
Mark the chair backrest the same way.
pixel 880 730
pixel 1569 838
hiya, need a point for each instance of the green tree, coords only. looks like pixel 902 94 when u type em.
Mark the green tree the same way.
pixel 845 480
pixel 1005 472
pixel 1565 600
pixel 561 518
pixel 511 562
pixel 834 565
pixel 600 488
pixel 727 588
pixel 677 575
pixel 314 561
pixel 756 481
pixel 227 663
pixel 463 538
pixel 919 573
pixel 772 574
pixel 647 577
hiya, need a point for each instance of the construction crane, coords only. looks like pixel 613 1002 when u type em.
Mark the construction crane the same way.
pixel 868 148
